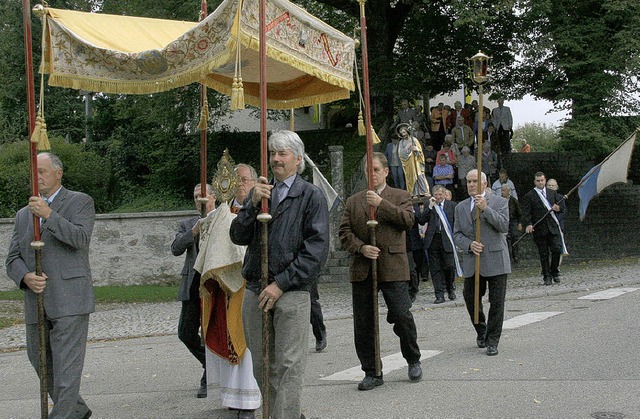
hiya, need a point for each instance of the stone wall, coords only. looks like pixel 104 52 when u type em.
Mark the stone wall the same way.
pixel 125 248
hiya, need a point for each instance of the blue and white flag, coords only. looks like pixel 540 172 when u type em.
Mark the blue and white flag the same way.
pixel 612 170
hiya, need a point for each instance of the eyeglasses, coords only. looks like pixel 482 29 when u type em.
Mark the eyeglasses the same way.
pixel 245 180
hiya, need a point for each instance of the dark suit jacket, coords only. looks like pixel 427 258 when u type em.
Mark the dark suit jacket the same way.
pixel 494 224
pixel 429 216
pixel 185 242
pixel 395 216
pixel 533 209
pixel 65 256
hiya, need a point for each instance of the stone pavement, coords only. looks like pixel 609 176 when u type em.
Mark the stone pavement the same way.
pixel 120 321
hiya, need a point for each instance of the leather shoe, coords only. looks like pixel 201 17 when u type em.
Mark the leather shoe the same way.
pixel 452 295
pixel 246 414
pixel 415 371
pixel 369 382
pixel 492 350
pixel 481 342
pixel 547 280
pixel 439 300
pixel 556 279
pixel 88 414
pixel 322 343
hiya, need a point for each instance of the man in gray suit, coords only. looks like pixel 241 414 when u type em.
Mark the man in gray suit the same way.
pixel 66 223
pixel 494 256
pixel 187 240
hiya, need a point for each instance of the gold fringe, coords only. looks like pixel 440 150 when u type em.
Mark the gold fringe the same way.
pixel 362 131
pixel 40 135
pixel 237 94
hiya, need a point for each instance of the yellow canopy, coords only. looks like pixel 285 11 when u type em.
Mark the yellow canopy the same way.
pixel 308 61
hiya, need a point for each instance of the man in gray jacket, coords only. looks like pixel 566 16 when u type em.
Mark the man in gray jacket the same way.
pixel 494 256
pixel 66 223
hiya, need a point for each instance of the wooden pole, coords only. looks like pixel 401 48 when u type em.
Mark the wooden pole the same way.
pixel 203 135
pixel 372 223
pixel 37 244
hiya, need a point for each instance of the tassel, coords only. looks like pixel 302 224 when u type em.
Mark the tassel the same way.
pixel 374 137
pixel 237 94
pixel 40 135
pixel 204 117
pixel 361 129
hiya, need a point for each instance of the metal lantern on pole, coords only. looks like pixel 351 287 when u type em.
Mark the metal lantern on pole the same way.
pixel 479 64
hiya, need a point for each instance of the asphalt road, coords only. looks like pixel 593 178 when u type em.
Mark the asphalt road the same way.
pixel 581 362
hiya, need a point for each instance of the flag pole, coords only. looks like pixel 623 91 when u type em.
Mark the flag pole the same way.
pixel 37 244
pixel 583 180
pixel 372 223
pixel 264 217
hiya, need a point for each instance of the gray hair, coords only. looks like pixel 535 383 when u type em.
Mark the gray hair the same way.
pixel 252 171
pixel 209 188
pixel 56 163
pixel 437 188
pixel 282 140
pixel 483 174
pixel 465 148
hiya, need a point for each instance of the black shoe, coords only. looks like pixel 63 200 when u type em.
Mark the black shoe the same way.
pixel 413 298
pixel 481 342
pixel 415 371
pixel 370 382
pixel 452 295
pixel 492 350
pixel 556 279
pixel 88 414
pixel 439 300
pixel 202 391
pixel 322 343
pixel 547 280
pixel 246 414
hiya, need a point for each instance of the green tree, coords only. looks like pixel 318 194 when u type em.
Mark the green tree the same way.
pixel 541 137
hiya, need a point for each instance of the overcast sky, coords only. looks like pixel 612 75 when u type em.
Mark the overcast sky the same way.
pixel 530 110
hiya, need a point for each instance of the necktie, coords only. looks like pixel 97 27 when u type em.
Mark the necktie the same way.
pixel 278 194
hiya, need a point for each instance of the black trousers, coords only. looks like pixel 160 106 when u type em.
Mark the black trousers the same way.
pixel 549 244
pixel 504 137
pixel 189 323
pixel 317 320
pixel 490 328
pixel 513 235
pixel 442 266
pixel 396 297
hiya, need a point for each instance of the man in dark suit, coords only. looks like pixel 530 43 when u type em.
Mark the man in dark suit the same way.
pixel 494 257
pixel 395 216
pixel 66 223
pixel 542 203
pixel 187 240
pixel 438 240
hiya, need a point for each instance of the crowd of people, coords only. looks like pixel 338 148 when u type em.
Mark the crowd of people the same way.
pixel 420 228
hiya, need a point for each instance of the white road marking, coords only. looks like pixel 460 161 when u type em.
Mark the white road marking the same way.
pixel 389 363
pixel 528 318
pixel 607 294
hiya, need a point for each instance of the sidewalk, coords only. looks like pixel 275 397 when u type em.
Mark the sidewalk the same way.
pixel 119 321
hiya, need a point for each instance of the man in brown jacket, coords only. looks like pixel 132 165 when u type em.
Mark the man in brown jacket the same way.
pixel 395 216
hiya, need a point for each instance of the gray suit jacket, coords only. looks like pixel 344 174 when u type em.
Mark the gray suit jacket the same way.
pixel 494 224
pixel 185 242
pixel 65 256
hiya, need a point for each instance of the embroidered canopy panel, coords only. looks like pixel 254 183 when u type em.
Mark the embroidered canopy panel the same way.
pixel 308 61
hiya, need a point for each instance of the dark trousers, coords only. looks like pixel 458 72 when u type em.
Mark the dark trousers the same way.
pixel 396 297
pixel 317 320
pixel 504 137
pixel 66 344
pixel 189 324
pixel 512 237
pixel 549 244
pixel 491 329
pixel 441 264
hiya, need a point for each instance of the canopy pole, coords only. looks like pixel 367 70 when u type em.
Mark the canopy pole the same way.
pixel 372 223
pixel 37 244
pixel 476 310
pixel 264 217
pixel 203 134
